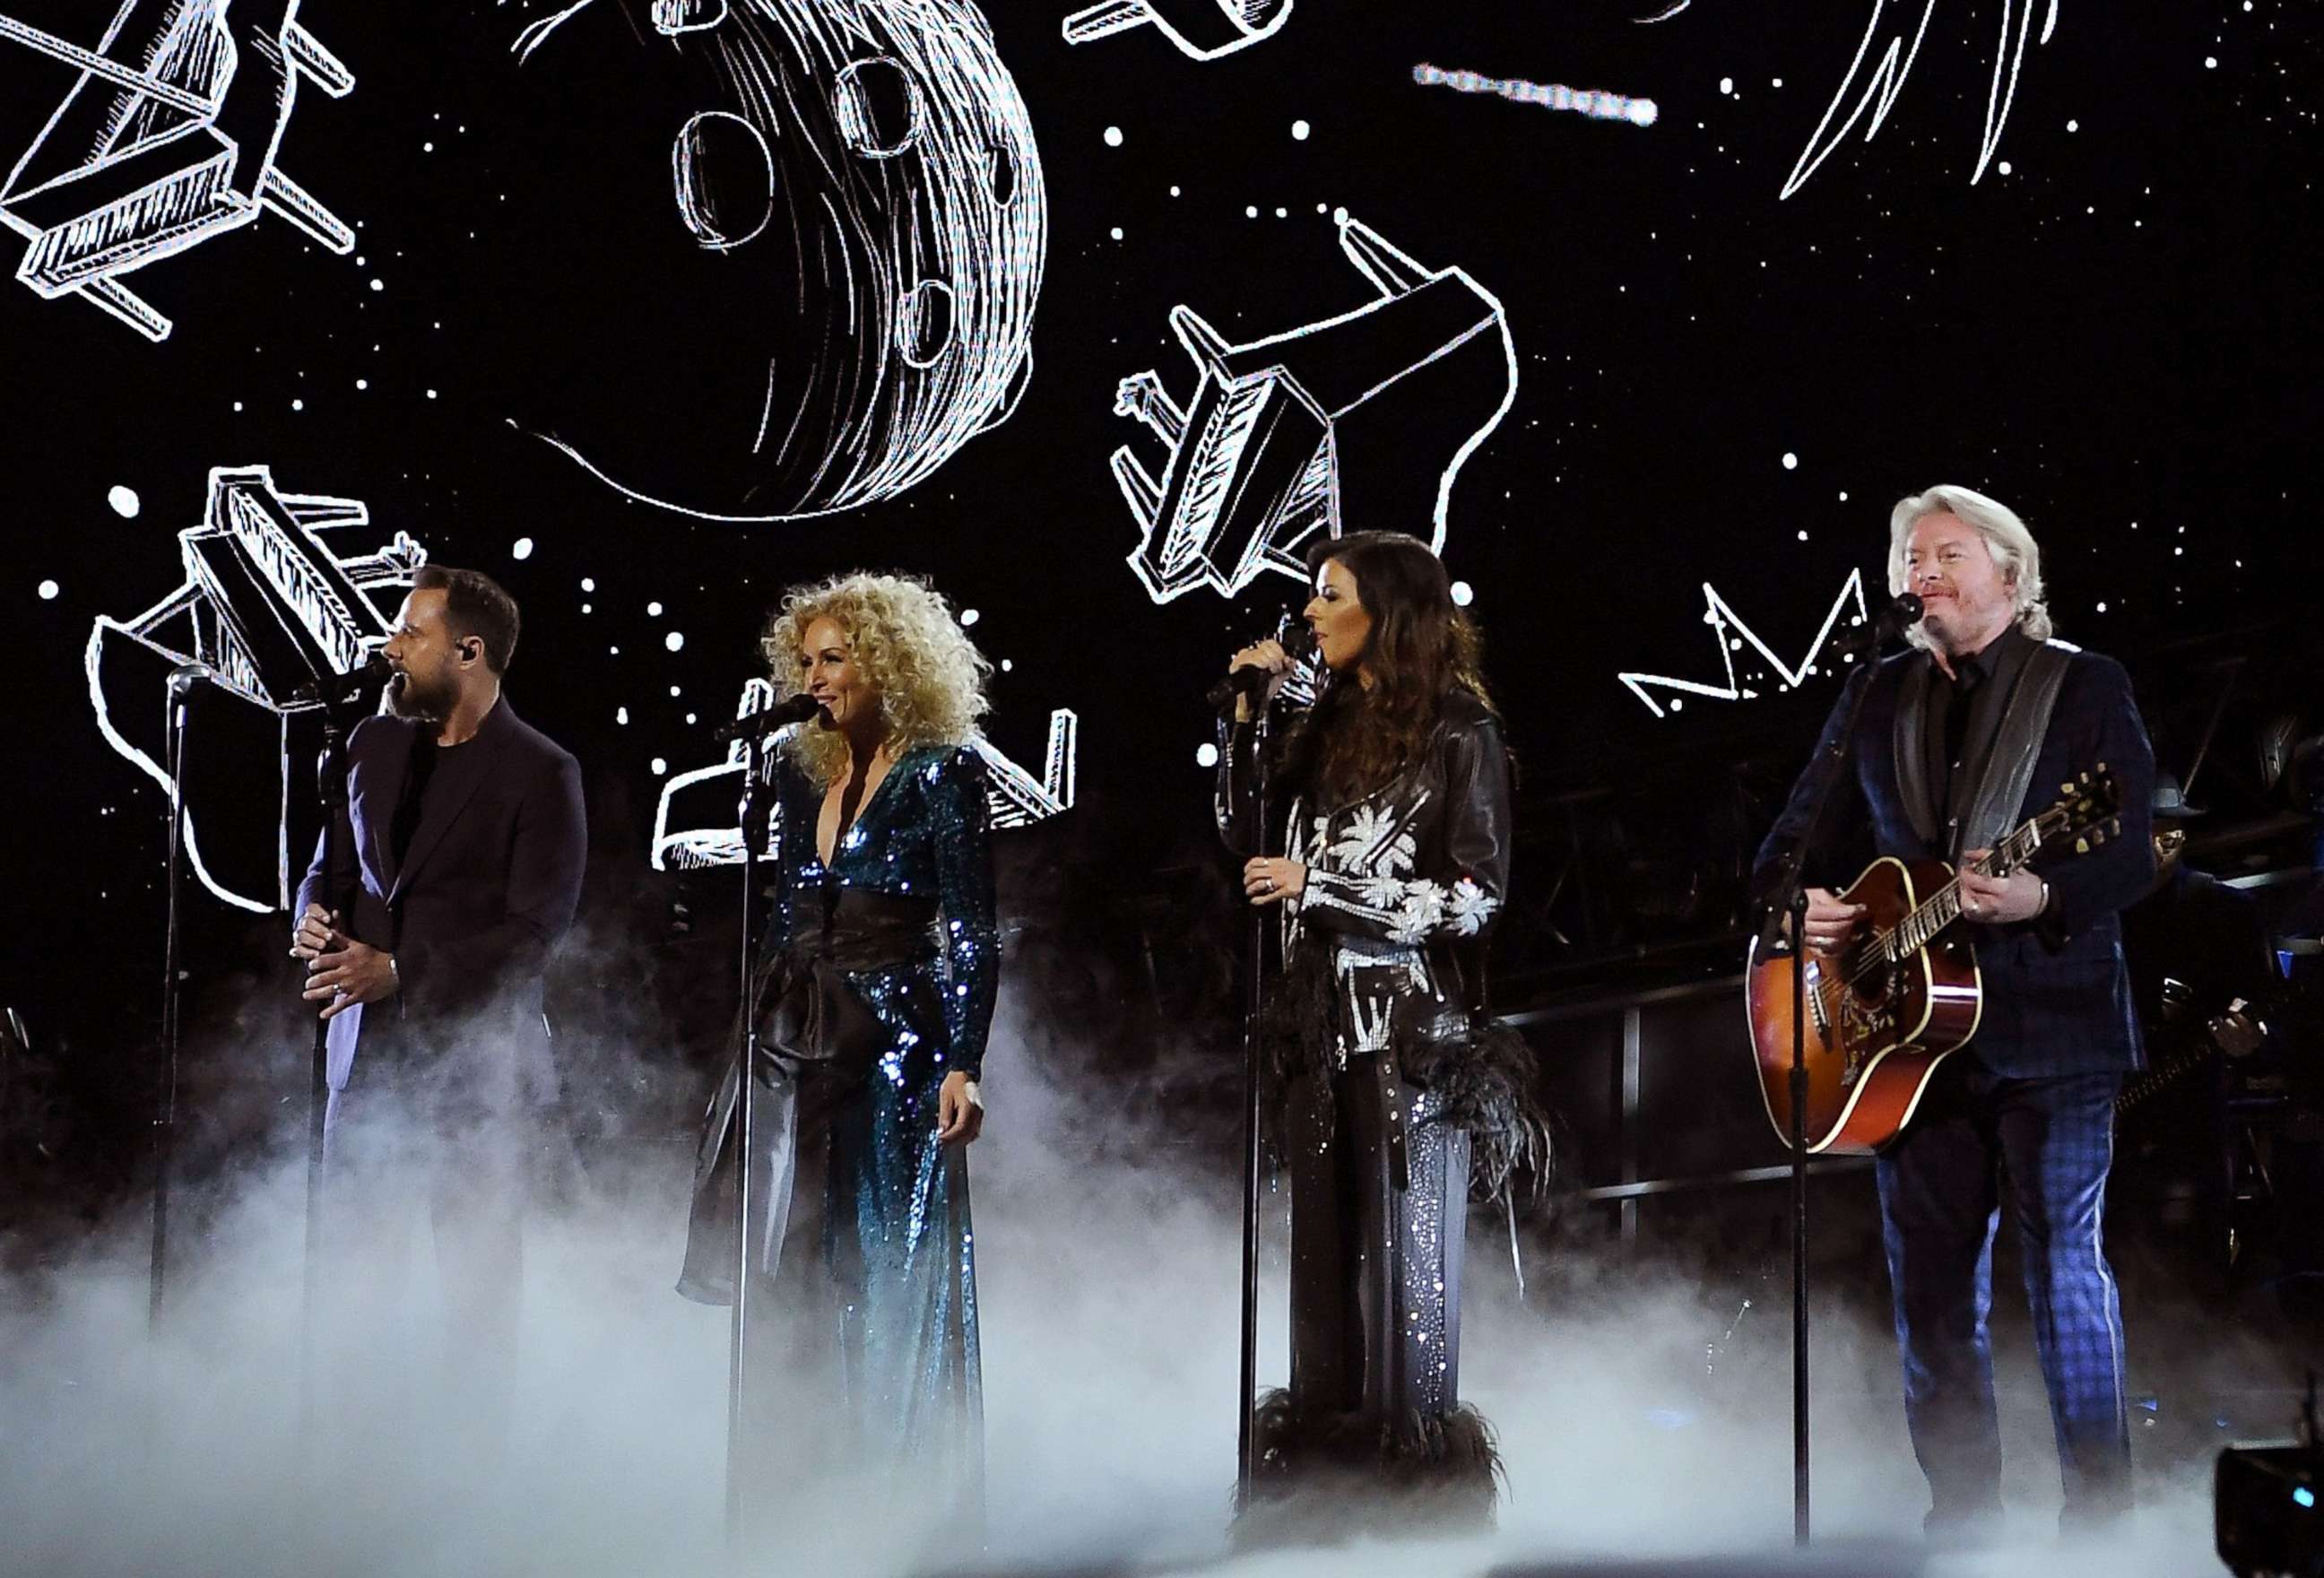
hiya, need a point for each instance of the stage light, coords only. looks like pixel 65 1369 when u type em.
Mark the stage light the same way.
pixel 2256 1532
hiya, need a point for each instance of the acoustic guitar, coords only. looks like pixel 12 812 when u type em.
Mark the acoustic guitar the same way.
pixel 1883 1011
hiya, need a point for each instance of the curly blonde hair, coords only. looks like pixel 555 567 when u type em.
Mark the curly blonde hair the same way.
pixel 904 636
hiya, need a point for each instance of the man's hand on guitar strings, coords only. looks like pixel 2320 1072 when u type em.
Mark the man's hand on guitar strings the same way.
pixel 1999 901
pixel 1831 920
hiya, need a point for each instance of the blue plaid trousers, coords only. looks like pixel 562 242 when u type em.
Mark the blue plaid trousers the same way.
pixel 2052 1140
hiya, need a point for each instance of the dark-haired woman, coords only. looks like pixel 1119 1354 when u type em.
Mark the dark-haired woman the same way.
pixel 1399 1093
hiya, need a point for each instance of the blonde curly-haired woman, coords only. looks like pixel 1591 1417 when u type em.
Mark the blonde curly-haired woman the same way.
pixel 873 990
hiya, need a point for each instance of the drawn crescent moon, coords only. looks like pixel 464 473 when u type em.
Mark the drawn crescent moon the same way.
pixel 827 265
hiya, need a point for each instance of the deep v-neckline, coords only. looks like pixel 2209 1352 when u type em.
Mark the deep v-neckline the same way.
pixel 839 833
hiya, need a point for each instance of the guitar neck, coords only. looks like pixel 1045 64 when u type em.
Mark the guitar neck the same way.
pixel 1929 919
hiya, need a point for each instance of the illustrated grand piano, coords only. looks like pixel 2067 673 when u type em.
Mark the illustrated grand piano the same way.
pixel 165 138
pixel 1359 420
pixel 267 606
pixel 697 824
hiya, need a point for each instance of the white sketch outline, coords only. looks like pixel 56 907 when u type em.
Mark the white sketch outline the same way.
pixel 791 70
pixel 1885 81
pixel 1014 796
pixel 851 109
pixel 1201 30
pixel 682 149
pixel 276 538
pixel 139 162
pixel 1723 619
pixel 1319 377
pixel 672 18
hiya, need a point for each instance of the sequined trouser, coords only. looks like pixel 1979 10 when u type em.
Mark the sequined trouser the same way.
pixel 861 1353
pixel 1375 1267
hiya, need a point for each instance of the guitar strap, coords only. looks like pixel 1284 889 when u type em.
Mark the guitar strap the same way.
pixel 2009 767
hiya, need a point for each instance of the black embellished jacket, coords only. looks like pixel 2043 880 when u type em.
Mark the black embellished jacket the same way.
pixel 1384 950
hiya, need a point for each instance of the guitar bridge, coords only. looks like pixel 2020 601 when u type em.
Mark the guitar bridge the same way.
pixel 1814 995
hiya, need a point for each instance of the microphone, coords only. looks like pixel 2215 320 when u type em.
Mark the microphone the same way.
pixel 791 709
pixel 1295 639
pixel 185 675
pixel 349 688
pixel 1904 611
pixel 1893 619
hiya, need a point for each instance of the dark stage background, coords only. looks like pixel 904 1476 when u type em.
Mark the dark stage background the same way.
pixel 2115 330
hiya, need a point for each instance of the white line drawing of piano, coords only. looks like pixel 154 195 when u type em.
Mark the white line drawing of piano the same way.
pixel 1360 421
pixel 698 821
pixel 166 138
pixel 1201 30
pixel 266 607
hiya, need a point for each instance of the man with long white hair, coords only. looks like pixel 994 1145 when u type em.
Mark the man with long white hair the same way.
pixel 1959 741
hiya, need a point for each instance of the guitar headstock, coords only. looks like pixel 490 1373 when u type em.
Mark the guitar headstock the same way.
pixel 2088 810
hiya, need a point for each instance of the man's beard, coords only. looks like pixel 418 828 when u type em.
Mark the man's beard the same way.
pixel 407 699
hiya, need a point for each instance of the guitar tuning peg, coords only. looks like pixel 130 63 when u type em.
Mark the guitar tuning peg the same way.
pixel 2082 846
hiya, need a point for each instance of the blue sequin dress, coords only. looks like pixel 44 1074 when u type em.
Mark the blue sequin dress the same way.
pixel 876 979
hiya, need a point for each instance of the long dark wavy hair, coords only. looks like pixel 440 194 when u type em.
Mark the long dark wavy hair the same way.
pixel 1422 649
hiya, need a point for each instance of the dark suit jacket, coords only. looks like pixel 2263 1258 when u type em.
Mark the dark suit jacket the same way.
pixel 2057 994
pixel 483 893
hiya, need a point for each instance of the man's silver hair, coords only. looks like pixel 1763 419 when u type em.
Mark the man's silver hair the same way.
pixel 2014 552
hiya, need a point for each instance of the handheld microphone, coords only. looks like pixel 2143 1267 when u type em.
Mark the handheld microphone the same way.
pixel 791 709
pixel 185 675
pixel 1295 639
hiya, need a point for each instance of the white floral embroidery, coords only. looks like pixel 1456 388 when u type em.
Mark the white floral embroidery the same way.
pixel 1420 912
pixel 1371 843
pixel 1382 892
pixel 1469 908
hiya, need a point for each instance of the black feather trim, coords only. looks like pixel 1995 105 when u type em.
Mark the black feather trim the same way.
pixel 1320 1477
pixel 1486 1077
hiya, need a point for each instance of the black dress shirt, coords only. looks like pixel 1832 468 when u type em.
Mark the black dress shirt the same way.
pixel 1964 718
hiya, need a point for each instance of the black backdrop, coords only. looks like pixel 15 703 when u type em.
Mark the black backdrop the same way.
pixel 2120 329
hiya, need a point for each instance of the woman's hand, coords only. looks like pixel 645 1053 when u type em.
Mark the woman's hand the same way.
pixel 1268 655
pixel 1269 880
pixel 960 1109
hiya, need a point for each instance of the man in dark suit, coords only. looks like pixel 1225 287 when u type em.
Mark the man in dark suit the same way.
pixel 461 865
pixel 1947 732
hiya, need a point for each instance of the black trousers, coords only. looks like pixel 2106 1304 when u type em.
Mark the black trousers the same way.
pixel 1375 1257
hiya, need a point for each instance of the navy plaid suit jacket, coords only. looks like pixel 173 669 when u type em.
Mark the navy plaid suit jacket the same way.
pixel 2057 993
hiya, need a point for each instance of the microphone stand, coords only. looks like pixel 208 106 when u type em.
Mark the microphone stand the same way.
pixel 745 1261
pixel 1224 696
pixel 1254 1051
pixel 331 791
pixel 165 1104
pixel 1791 905
pixel 337 696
